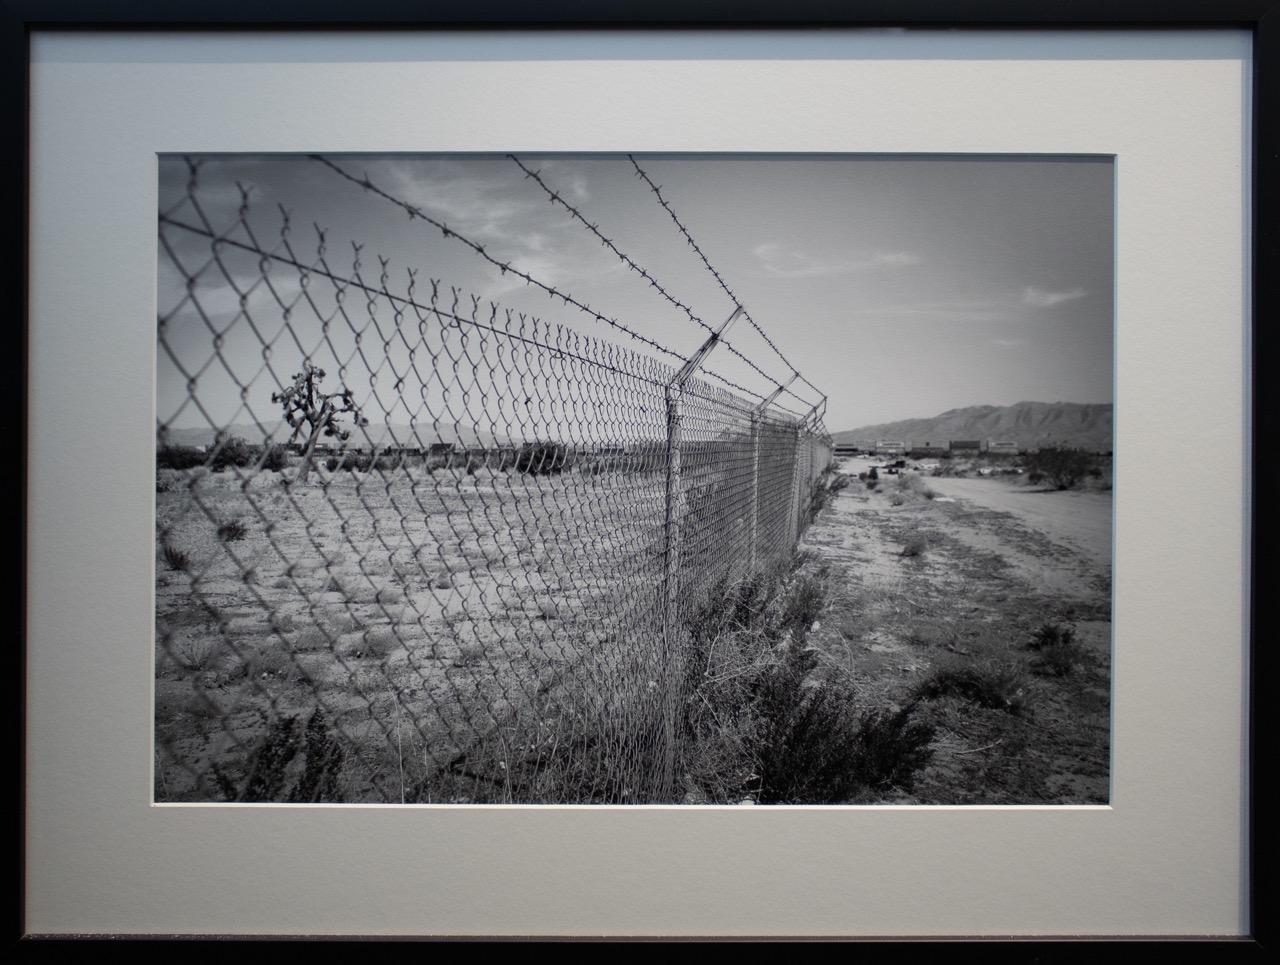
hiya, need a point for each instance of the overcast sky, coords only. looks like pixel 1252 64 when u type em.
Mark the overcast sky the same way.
pixel 899 286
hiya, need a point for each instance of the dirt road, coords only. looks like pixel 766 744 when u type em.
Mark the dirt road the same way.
pixel 1077 520
pixel 960 581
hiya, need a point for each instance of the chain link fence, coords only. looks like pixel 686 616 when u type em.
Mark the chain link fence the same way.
pixel 433 551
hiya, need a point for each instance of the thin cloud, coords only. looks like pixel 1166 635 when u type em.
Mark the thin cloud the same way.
pixel 789 261
pixel 487 207
pixel 560 272
pixel 975 311
pixel 1039 298
pixel 478 207
pixel 577 188
pixel 484 210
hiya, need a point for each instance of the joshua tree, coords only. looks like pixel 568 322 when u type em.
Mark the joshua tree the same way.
pixel 306 406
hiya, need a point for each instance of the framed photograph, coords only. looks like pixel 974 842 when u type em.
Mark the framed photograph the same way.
pixel 253 709
pixel 472 548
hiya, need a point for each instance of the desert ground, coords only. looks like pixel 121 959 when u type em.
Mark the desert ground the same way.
pixel 437 620
pixel 960 573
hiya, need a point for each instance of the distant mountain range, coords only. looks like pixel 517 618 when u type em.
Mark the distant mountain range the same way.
pixel 1028 424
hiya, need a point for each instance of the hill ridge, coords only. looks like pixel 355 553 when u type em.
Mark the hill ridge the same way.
pixel 1086 425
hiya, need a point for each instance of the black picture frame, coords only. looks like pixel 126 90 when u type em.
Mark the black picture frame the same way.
pixel 1261 17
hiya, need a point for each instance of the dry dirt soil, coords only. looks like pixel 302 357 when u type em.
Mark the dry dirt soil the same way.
pixel 962 575
pixel 433 615
pixel 419 611
pixel 415 609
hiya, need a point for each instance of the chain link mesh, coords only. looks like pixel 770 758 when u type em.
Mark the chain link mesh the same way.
pixel 441 552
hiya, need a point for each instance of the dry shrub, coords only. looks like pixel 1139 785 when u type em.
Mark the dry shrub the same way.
pixel 232 451
pixel 1058 654
pixel 724 674
pixel 281 622
pixel 569 742
pixel 387 595
pixel 1052 635
pixel 915 545
pixel 270 662
pixel 828 485
pixel 274 458
pixel 764 721
pixel 892 747
pixel 985 681
pixel 1063 468
pixel 175 558
pixel 201 653
pixel 805 742
pixel 201 705
pixel 180 457
pixel 755 717
pixel 293 763
pixel 379 642
pixel 341 622
pixel 232 530
pixel 312 639
pixel 911 484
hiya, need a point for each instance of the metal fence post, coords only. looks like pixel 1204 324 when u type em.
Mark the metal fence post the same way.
pixel 753 522
pixel 672 663
pixel 794 522
pixel 757 440
pixel 801 494
pixel 672 638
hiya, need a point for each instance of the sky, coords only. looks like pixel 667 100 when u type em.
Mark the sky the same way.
pixel 897 286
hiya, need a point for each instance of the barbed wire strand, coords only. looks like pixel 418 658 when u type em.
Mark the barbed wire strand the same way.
pixel 380 292
pixel 631 263
pixel 506 268
pixel 657 191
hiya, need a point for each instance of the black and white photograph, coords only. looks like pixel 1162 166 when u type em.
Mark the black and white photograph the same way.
pixel 634 479
pixel 744 481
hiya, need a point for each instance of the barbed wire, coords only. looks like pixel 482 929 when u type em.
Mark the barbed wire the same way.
pixel 401 302
pixel 505 267
pixel 657 191
pixel 631 263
